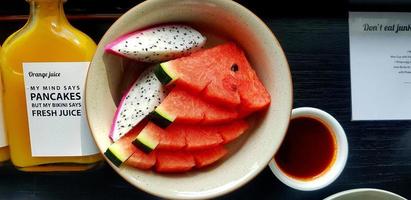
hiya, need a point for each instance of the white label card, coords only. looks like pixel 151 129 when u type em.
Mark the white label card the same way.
pixel 56 115
pixel 380 56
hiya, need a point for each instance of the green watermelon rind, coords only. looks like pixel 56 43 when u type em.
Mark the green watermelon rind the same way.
pixel 161 118
pixel 140 145
pixel 115 155
pixel 164 74
pixel 145 141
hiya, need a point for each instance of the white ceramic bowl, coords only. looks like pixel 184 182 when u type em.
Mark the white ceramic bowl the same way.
pixel 338 165
pixel 365 194
pixel 249 154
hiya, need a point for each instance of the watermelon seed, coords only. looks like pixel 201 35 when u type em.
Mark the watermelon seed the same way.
pixel 234 67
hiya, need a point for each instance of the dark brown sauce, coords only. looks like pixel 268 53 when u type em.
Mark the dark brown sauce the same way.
pixel 308 149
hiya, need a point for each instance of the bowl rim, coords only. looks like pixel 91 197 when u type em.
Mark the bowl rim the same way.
pixel 238 185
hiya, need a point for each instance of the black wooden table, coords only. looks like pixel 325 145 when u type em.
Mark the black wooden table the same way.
pixel 317 48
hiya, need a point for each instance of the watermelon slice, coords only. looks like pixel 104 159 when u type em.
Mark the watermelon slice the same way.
pixel 196 137
pixel 171 162
pixel 148 138
pixel 209 156
pixel 141 160
pixel 123 148
pixel 231 131
pixel 208 136
pixel 181 106
pixel 221 74
pixel 201 137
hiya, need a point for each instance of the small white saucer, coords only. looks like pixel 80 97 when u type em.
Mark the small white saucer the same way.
pixel 336 168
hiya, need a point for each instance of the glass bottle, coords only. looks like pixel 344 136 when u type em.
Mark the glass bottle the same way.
pixel 44 65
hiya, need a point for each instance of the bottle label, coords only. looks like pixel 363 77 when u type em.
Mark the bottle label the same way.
pixel 55 109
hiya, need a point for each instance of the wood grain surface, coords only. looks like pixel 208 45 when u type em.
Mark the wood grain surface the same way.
pixel 317 49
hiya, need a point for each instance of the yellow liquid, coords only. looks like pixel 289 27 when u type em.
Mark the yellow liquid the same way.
pixel 4 151
pixel 4 154
pixel 47 37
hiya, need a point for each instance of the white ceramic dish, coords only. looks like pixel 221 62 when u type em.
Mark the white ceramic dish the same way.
pixel 249 154
pixel 338 165
pixel 365 194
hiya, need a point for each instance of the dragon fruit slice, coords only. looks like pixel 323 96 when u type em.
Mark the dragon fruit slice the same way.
pixel 158 43
pixel 144 96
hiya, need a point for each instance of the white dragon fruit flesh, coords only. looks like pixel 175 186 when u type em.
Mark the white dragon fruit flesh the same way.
pixel 144 96
pixel 156 44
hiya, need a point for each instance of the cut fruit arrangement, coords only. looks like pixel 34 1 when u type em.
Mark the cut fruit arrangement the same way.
pixel 179 114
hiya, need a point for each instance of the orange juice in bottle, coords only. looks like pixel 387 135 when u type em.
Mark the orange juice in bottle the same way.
pixel 44 65
pixel 4 150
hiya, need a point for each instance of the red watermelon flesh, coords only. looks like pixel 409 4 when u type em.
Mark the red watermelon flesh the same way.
pixel 207 157
pixel 201 137
pixel 183 146
pixel 172 161
pixel 231 131
pixel 141 160
pixel 253 95
pixel 197 137
pixel 223 75
pixel 188 108
pixel 173 139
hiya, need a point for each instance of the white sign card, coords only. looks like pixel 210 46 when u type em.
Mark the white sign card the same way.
pixel 55 109
pixel 380 56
